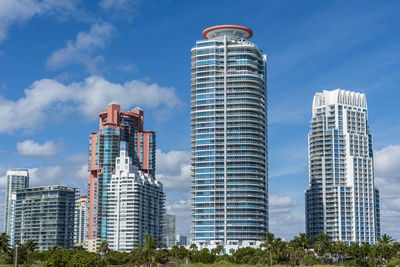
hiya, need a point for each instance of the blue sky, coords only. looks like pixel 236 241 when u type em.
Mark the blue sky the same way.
pixel 61 62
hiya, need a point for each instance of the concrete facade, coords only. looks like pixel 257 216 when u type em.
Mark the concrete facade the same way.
pixel 342 200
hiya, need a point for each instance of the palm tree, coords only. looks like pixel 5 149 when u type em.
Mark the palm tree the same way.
pixel 217 250
pixel 322 245
pixel 193 246
pixel 4 245
pixel 149 246
pixel 340 249
pixel 386 239
pixel 302 240
pixel 104 248
pixel 268 243
pixel 385 247
pixel 54 249
pixel 365 250
pixel 30 247
pixel 373 253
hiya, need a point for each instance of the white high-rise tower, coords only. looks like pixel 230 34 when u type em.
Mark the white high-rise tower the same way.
pixel 229 138
pixel 136 204
pixel 342 200
pixel 16 179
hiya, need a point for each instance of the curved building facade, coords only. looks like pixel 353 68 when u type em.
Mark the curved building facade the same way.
pixel 229 138
pixel 342 200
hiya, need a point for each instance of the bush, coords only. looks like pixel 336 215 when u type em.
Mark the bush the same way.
pixel 74 258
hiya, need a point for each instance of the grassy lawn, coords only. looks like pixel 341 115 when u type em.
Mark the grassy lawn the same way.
pixel 224 264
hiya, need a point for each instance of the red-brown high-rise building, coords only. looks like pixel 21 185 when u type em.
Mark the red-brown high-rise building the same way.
pixel 114 126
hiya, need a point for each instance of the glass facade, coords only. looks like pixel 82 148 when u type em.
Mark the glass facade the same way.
pixel 80 230
pixel 229 138
pixel 16 179
pixel 45 215
pixel 115 126
pixel 342 200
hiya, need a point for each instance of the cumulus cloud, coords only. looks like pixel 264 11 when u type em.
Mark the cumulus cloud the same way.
pixel 81 51
pixel 31 148
pixel 287 225
pixel 47 97
pixel 387 179
pixel 181 209
pixel 284 220
pixel 281 204
pixel 72 172
pixel 173 169
pixel 17 11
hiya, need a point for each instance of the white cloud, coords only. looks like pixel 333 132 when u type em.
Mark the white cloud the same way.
pixel 122 9
pixel 281 204
pixel 82 49
pixel 70 173
pixel 387 163
pixel 173 170
pixel 181 209
pixel 284 220
pixel 17 11
pixel 46 98
pixel 387 179
pixel 31 148
pixel 287 225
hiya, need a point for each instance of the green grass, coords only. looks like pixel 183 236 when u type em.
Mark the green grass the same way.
pixel 225 264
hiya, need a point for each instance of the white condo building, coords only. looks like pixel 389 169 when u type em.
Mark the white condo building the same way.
pixel 16 179
pixel 229 138
pixel 341 200
pixel 80 227
pixel 135 205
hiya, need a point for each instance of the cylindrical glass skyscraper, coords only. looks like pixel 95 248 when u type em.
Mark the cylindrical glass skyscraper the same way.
pixel 229 138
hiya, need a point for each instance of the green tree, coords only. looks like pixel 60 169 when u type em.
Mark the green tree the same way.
pixel 179 252
pixel 385 245
pixel 149 246
pixel 364 252
pixel 302 240
pixel 162 256
pixel 74 258
pixel 117 258
pixel 374 254
pixel 322 247
pixel 4 245
pixel 137 257
pixel 243 255
pixel 217 250
pixel 30 247
pixel 340 249
pixel 268 243
pixel 206 257
pixel 193 246
pixel 104 248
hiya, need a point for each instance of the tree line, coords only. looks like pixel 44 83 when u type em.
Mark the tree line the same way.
pixel 301 250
